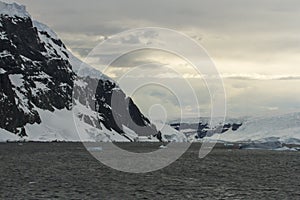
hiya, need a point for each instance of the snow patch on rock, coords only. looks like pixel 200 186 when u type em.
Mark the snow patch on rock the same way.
pixel 13 10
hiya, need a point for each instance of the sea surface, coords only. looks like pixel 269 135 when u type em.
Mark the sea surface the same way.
pixel 68 171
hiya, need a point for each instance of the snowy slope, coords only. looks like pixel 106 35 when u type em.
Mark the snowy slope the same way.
pixel 170 134
pixel 79 67
pixel 8 136
pixel 61 126
pixel 284 128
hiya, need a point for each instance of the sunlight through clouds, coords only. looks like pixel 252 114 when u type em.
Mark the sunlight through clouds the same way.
pixel 254 44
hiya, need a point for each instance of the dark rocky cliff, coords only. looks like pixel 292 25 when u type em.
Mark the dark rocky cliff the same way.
pixel 30 75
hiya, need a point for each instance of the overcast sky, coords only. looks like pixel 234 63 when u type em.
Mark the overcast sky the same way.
pixel 254 44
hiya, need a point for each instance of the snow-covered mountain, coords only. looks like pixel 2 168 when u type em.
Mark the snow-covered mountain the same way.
pixel 44 96
pixel 284 128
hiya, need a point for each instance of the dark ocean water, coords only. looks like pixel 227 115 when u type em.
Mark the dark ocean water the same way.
pixel 68 171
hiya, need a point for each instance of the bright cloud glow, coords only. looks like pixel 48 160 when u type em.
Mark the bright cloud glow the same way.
pixel 255 45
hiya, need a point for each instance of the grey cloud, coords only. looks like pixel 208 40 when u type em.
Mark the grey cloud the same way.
pixel 260 77
pixel 264 33
pixel 245 29
pixel 115 15
pixel 157 93
pixel 82 52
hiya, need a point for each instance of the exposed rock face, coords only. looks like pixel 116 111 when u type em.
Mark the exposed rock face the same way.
pixel 202 129
pixel 114 108
pixel 117 110
pixel 33 74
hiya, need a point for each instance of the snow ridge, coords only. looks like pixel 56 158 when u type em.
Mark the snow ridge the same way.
pixel 13 10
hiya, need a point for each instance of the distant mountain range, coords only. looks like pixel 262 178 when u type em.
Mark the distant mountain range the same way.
pixel 284 128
